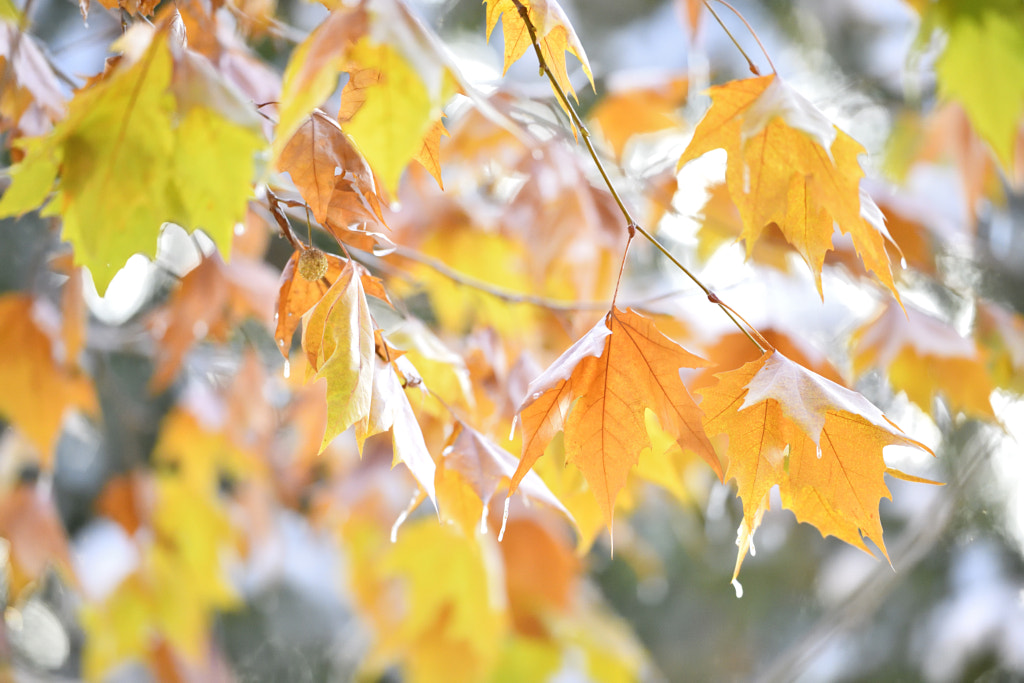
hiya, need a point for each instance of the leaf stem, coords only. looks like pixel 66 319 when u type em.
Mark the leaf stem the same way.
pixel 631 224
pixel 753 69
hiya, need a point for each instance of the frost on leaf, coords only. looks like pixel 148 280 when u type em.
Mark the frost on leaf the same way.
pixel 818 441
pixel 788 166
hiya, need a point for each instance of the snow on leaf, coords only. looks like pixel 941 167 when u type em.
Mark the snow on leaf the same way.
pixel 925 356
pixel 554 33
pixel 486 467
pixel 597 393
pixel 337 337
pixel 819 442
pixel 789 166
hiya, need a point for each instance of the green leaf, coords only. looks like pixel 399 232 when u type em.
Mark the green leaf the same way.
pixel 131 156
pixel 982 68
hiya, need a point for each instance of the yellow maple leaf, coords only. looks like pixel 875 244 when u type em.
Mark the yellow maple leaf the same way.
pixel 313 68
pixel 337 337
pixel 555 35
pixel 138 152
pixel 389 109
pixel 597 392
pixel 818 441
pixel 789 165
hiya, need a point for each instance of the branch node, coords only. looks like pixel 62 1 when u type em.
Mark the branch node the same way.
pixel 713 298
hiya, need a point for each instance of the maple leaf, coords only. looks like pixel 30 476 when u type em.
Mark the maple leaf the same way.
pixel 322 161
pixel 337 337
pixel 313 68
pixel 429 155
pixel 31 100
pixel 389 109
pixel 296 295
pixel 391 410
pixel 818 441
pixel 139 153
pixel 485 467
pixel 29 521
pixel 555 35
pixel 636 110
pixel 452 606
pixel 38 391
pixel 208 301
pixel 597 393
pixel 923 356
pixel 789 165
pixel 982 33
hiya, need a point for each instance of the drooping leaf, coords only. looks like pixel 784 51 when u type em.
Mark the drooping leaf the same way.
pixel 486 467
pixel 296 295
pixel 554 33
pixel 980 34
pixel 390 410
pixel 317 156
pixel 597 393
pixel 924 356
pixel 789 165
pixel 38 391
pixel 313 69
pixel 818 441
pixel 337 336
pixel 130 152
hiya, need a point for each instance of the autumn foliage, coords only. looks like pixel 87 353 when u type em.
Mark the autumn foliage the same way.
pixel 374 271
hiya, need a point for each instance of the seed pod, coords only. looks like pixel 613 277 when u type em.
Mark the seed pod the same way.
pixel 312 264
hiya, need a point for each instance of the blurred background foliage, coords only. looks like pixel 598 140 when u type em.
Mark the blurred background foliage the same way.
pixel 299 602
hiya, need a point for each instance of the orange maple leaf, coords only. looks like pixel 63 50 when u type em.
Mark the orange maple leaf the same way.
pixel 37 390
pixel 322 161
pixel 818 441
pixel 597 392
pixel 789 165
pixel 296 295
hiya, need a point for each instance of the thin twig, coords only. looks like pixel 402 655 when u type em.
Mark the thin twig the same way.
pixel 749 28
pixel 750 63
pixel 630 223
